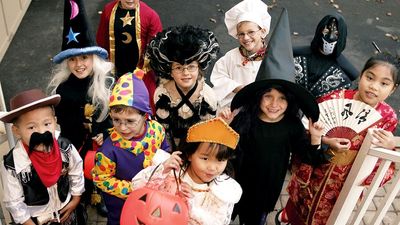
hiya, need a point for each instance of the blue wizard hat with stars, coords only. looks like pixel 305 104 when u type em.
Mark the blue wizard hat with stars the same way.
pixel 77 38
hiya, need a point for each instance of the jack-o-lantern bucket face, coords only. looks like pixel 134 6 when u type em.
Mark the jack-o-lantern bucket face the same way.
pixel 146 206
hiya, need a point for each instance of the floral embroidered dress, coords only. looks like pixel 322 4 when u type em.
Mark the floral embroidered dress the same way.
pixel 313 191
pixel 119 160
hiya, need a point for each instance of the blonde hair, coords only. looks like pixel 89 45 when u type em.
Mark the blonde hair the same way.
pixel 100 85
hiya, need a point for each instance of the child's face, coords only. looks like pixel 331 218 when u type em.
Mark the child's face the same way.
pixel 273 106
pixel 250 36
pixel 185 76
pixel 204 166
pixel 38 120
pixel 376 84
pixel 128 124
pixel 81 66
pixel 129 4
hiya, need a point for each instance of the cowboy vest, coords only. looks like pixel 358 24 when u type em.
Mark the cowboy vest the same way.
pixel 35 192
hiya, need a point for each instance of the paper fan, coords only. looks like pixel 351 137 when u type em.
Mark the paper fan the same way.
pixel 345 118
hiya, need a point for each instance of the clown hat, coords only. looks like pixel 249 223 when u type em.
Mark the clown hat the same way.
pixel 278 69
pixel 131 91
pixel 26 101
pixel 77 38
pixel 182 44
pixel 254 11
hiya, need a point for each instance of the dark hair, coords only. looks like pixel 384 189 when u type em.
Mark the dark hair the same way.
pixel 388 59
pixel 222 153
pixel 249 112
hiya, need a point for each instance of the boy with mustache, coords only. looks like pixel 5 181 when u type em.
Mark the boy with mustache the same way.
pixel 42 174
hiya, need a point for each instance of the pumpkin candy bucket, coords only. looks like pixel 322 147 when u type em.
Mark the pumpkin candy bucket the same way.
pixel 152 206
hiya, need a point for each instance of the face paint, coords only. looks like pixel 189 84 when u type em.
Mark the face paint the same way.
pixel 45 139
pixel 330 35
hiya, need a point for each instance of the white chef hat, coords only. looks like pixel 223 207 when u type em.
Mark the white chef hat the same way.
pixel 254 11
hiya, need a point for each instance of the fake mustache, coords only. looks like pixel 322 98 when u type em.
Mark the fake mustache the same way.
pixel 37 139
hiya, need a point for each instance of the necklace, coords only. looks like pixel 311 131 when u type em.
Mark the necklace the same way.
pixel 200 190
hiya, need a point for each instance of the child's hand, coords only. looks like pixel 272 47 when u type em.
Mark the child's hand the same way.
pixel 337 144
pixel 98 139
pixel 316 129
pixel 186 190
pixel 384 139
pixel 227 115
pixel 69 208
pixel 173 163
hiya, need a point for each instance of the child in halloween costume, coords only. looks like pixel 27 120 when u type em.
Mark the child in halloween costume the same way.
pixel 249 23
pixel 270 129
pixel 82 78
pixel 308 201
pixel 201 163
pixel 42 175
pixel 125 29
pixel 132 144
pixel 321 67
pixel 180 55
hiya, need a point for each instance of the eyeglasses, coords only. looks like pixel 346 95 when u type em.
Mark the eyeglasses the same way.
pixel 190 68
pixel 128 123
pixel 250 34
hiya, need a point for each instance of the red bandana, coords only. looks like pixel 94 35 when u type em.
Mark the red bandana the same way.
pixel 47 164
pixel 258 56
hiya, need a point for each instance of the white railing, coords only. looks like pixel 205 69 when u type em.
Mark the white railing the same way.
pixel 363 165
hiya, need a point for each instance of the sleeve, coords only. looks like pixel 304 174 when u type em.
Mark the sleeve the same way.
pixel 221 79
pixel 303 150
pixel 75 172
pixel 104 177
pixel 347 67
pixel 13 196
pixel 301 50
pixel 155 25
pixel 102 34
pixel 154 172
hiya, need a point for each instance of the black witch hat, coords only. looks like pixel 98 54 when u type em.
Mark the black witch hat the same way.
pixel 77 38
pixel 277 68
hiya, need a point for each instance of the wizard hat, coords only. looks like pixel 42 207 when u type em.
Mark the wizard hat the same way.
pixel 26 101
pixel 278 69
pixel 131 91
pixel 77 38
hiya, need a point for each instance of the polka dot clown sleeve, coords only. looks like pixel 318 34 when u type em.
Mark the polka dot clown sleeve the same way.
pixel 104 177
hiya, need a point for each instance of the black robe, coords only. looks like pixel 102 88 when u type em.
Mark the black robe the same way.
pixel 262 162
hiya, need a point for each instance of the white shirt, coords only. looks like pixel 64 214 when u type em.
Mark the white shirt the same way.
pixel 229 73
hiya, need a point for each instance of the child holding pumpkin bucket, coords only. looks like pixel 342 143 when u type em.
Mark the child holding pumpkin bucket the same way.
pixel 132 143
pixel 202 169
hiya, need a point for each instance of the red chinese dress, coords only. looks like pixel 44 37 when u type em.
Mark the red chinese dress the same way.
pixel 313 191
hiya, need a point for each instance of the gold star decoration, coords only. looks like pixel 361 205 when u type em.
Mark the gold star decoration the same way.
pixel 127 20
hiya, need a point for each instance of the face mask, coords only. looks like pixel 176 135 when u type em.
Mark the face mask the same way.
pixel 330 36
pixel 327 48
pixel 37 139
